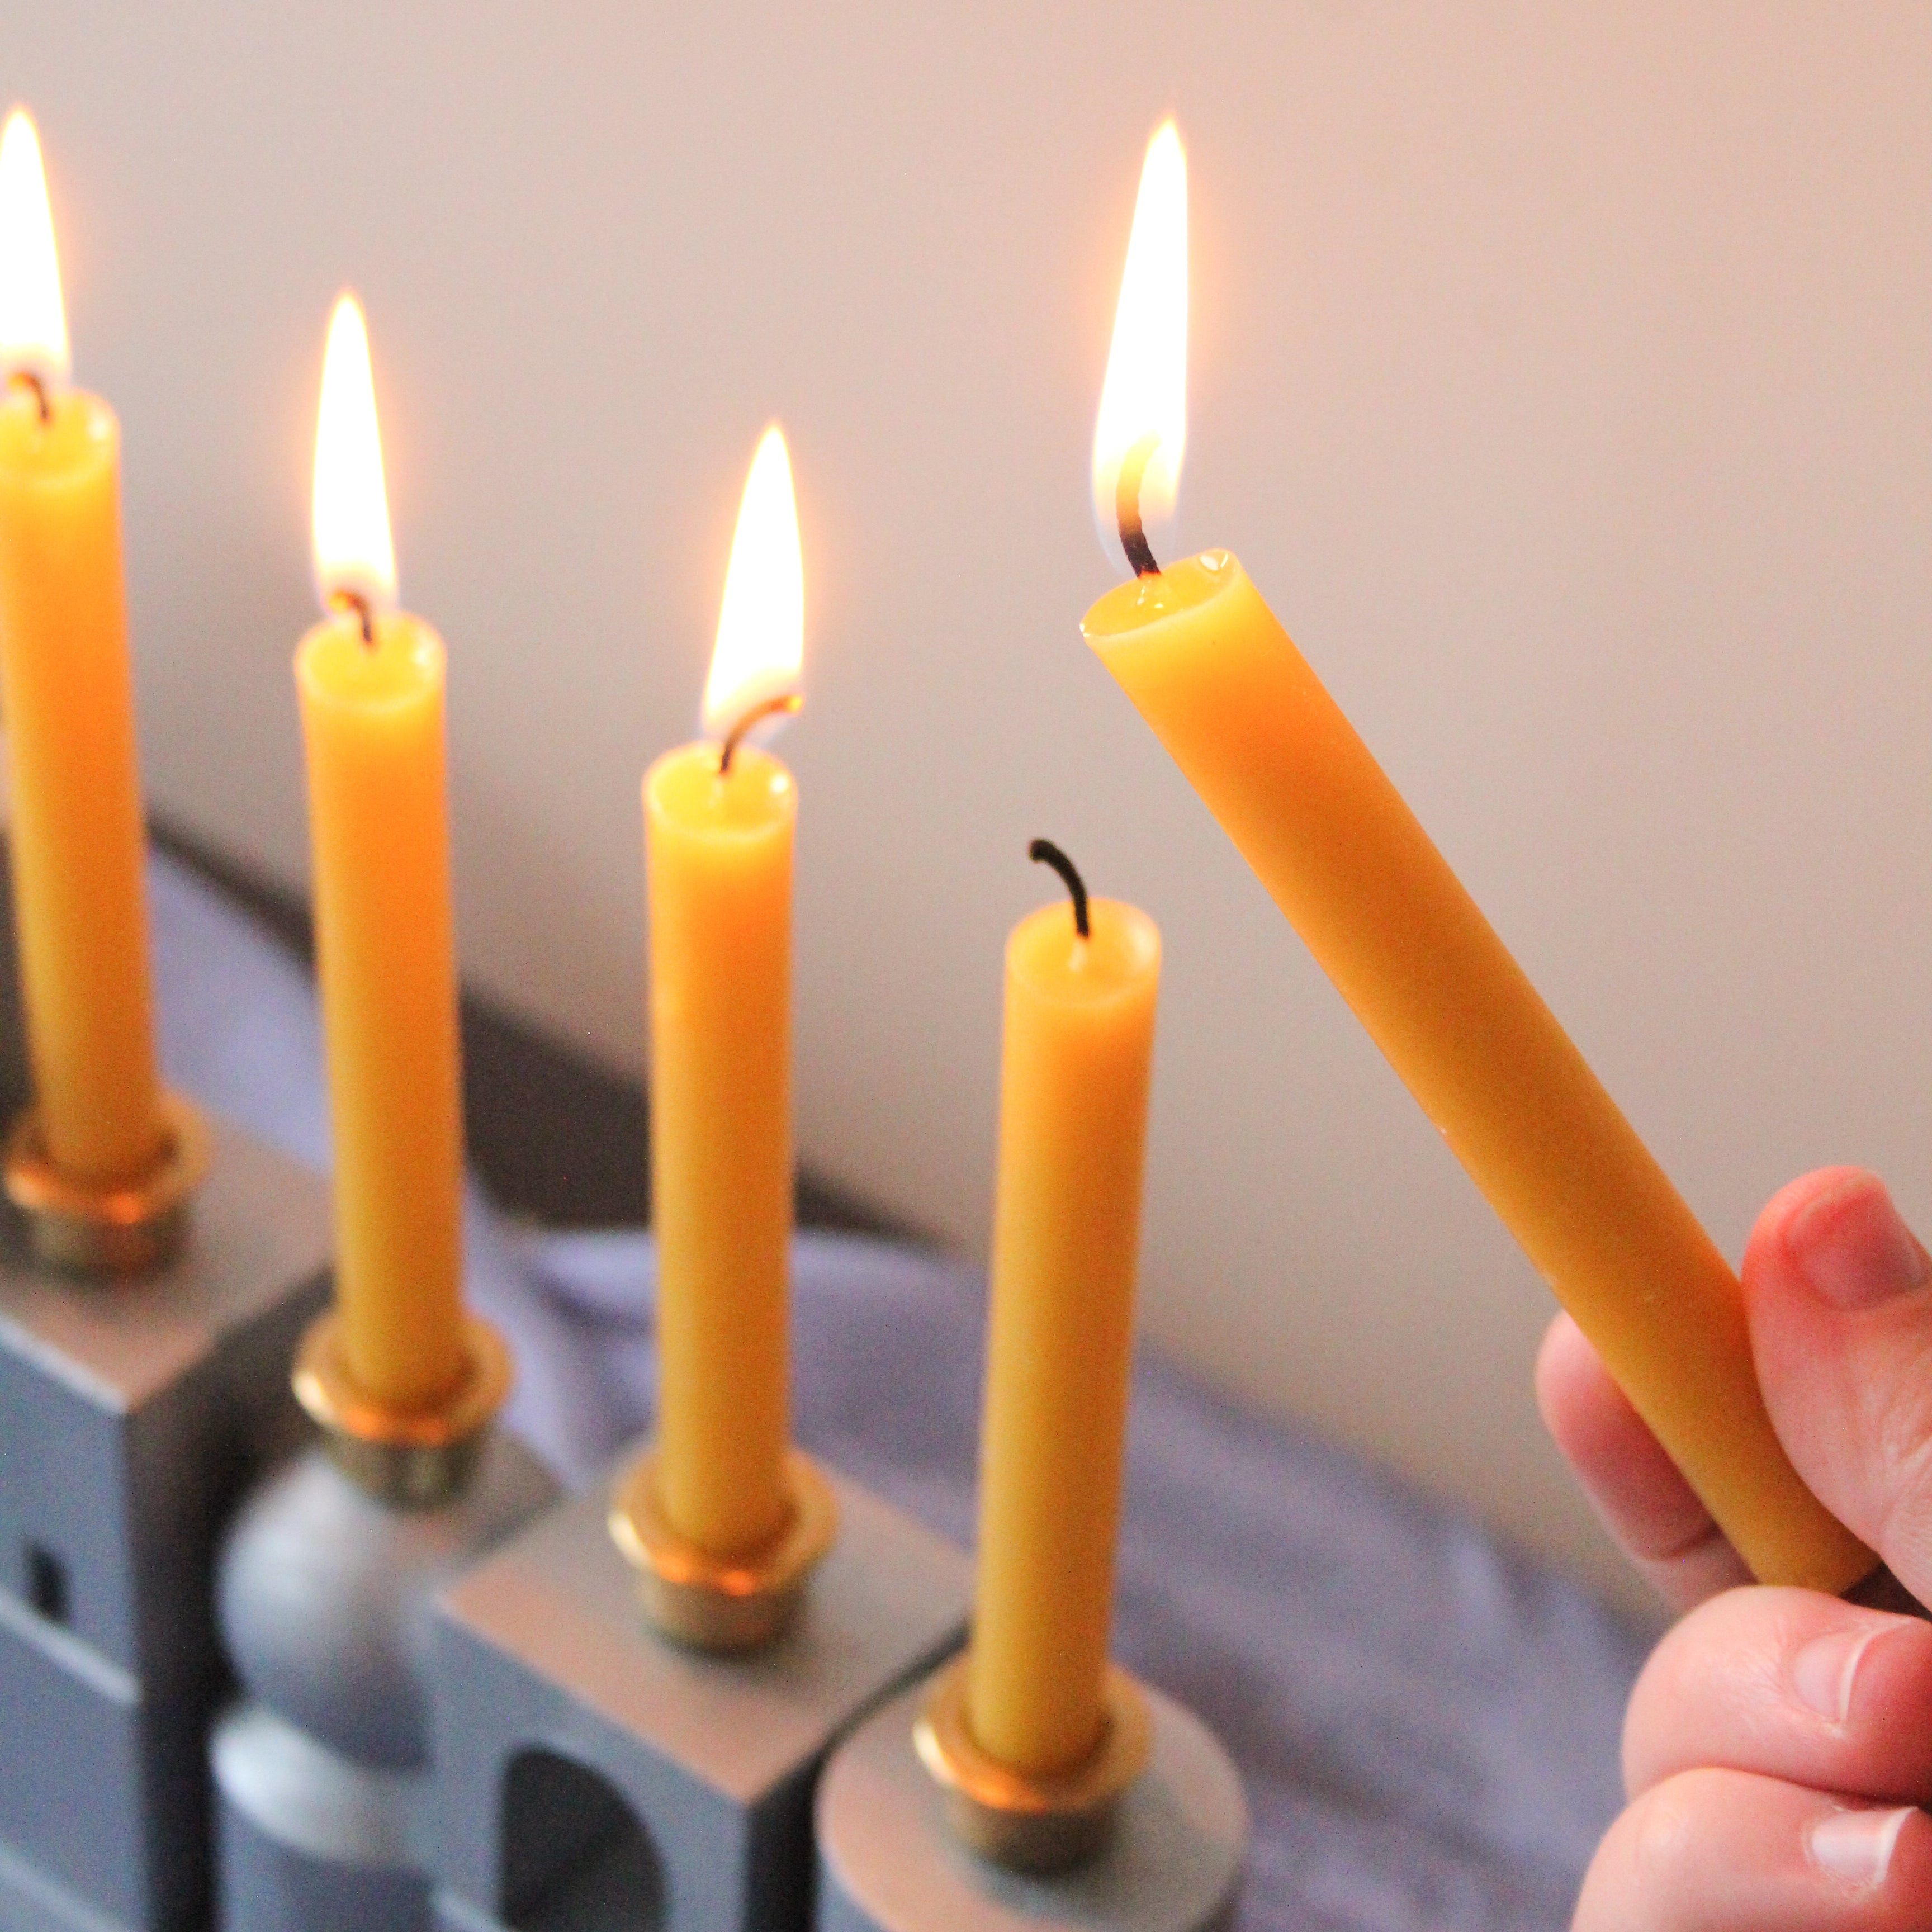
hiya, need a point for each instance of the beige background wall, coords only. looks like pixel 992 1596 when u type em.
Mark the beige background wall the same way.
pixel 1562 374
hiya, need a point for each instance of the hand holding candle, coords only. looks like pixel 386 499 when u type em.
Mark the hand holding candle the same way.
pixel 1207 666
pixel 67 687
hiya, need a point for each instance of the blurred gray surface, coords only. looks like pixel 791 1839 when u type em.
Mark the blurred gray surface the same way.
pixel 131 1414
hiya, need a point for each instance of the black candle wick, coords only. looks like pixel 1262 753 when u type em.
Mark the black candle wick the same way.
pixel 1045 852
pixel 1127 505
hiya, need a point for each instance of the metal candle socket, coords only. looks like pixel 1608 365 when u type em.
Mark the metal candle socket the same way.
pixel 122 1228
pixel 890 1860
pixel 592 1773
pixel 132 1413
pixel 722 1603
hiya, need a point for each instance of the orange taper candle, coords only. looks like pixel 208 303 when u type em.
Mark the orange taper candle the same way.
pixel 370 682
pixel 718 820
pixel 68 690
pixel 1075 1067
pixel 1246 719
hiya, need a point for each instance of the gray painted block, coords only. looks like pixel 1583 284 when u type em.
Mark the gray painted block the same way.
pixel 131 1415
pixel 888 1863
pixel 325 1775
pixel 593 1774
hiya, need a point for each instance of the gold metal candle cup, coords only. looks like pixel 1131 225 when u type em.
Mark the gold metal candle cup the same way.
pixel 1025 1822
pixel 106 1227
pixel 408 1458
pixel 715 1603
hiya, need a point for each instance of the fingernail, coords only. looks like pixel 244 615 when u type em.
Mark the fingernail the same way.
pixel 1857 1846
pixel 1852 1247
pixel 1823 1671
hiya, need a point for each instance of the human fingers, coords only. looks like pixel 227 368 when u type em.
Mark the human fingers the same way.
pixel 1646 1505
pixel 1792 1684
pixel 1728 1851
pixel 1839 1293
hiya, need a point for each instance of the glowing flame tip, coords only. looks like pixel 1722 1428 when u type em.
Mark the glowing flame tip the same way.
pixel 1145 392
pixel 354 557
pixel 760 647
pixel 33 322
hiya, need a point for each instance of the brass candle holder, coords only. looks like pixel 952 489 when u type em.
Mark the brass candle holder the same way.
pixel 722 1603
pixel 117 1228
pixel 410 1459
pixel 1026 1822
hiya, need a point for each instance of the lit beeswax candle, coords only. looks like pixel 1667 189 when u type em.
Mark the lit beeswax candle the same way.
pixel 68 692
pixel 718 835
pixel 1075 1067
pixel 370 680
pixel 1209 668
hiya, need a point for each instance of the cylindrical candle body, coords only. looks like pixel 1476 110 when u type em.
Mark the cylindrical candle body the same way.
pixel 386 959
pixel 1077 1054
pixel 1210 669
pixel 718 851
pixel 68 692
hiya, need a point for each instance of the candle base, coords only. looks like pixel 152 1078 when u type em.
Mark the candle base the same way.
pixel 132 1415
pixel 408 1459
pixel 1031 1824
pixel 890 1858
pixel 722 1603
pixel 593 1773
pixel 112 1228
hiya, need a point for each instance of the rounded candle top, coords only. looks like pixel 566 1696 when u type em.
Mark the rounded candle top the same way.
pixel 1143 601
pixel 685 791
pixel 69 447
pixel 1118 962
pixel 397 670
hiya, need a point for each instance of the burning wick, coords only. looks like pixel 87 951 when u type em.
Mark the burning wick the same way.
pixel 771 708
pixel 1127 506
pixel 353 603
pixel 25 379
pixel 1045 852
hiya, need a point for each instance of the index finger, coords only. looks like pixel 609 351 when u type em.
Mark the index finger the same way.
pixel 1644 1501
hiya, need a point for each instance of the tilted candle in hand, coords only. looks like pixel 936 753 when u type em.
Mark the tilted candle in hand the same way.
pixel 1227 694
pixel 68 691
pixel 370 680
pixel 718 818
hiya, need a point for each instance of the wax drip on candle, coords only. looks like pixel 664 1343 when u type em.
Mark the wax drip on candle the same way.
pixel 1127 506
pixel 353 603
pixel 1045 852
pixel 786 702
pixel 26 379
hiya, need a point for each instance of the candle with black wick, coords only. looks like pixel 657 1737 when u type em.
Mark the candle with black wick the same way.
pixel 1080 984
pixel 718 821
pixel 75 830
pixel 1226 691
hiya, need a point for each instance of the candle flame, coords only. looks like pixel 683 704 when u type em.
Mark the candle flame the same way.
pixel 1145 393
pixel 761 627
pixel 33 323
pixel 354 560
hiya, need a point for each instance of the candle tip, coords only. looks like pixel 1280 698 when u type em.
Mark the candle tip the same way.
pixel 785 703
pixel 1045 852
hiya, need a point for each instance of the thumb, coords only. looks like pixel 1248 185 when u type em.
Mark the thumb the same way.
pixel 1839 1293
